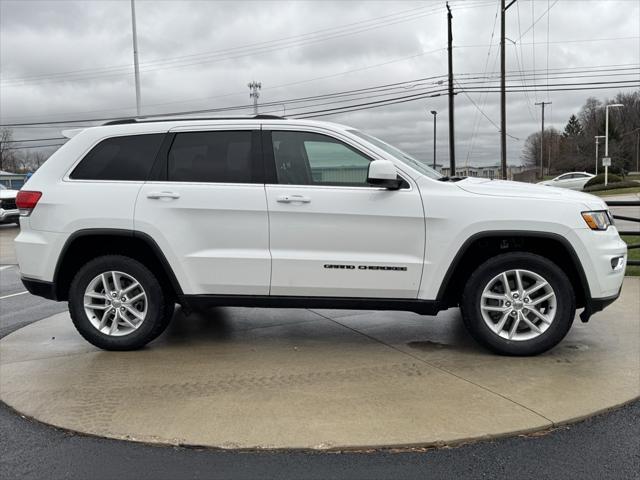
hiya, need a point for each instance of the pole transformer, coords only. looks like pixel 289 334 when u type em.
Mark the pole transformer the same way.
pixel 452 144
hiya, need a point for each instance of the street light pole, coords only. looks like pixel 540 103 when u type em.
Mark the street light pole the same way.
pixel 597 143
pixel 136 67
pixel 606 139
pixel 434 113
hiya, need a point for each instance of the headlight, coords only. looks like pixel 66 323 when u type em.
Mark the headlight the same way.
pixel 597 220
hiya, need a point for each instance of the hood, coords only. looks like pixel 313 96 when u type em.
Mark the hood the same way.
pixel 504 188
pixel 8 193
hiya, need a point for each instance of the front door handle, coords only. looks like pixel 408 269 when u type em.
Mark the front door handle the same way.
pixel 293 198
pixel 157 195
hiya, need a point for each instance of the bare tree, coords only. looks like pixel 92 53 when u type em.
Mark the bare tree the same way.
pixel 531 152
pixel 7 154
pixel 576 147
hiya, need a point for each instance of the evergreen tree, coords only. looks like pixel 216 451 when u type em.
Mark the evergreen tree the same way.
pixel 573 128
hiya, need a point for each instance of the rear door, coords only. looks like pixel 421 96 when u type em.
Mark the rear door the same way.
pixel 206 208
pixel 331 233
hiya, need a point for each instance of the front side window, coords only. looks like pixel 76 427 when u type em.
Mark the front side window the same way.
pixel 305 158
pixel 213 156
pixel 128 157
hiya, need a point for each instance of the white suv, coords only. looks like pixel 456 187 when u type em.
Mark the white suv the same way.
pixel 129 218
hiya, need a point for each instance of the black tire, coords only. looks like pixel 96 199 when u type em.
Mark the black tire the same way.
pixel 159 310
pixel 557 279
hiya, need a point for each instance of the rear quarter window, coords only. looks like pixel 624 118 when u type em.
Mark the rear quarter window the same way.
pixel 129 157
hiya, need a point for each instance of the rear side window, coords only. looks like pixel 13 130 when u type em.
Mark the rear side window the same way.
pixel 214 157
pixel 129 157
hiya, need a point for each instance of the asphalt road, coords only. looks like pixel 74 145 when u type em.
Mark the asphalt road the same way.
pixel 604 447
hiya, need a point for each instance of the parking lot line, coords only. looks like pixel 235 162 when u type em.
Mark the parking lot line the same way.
pixel 13 295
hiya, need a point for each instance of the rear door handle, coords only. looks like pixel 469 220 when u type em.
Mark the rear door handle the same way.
pixel 157 195
pixel 293 198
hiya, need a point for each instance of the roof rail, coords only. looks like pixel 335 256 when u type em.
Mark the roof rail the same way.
pixel 124 121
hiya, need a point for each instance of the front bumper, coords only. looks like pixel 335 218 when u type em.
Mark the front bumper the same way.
pixel 596 251
pixel 40 288
pixel 7 216
pixel 594 305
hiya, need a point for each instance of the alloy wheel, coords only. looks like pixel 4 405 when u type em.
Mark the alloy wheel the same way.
pixel 518 305
pixel 115 303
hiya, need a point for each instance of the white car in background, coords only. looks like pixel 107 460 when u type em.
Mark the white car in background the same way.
pixel 9 212
pixel 571 180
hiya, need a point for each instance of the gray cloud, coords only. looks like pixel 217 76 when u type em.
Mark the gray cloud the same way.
pixel 45 38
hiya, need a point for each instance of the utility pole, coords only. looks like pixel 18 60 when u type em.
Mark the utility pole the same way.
pixel 434 113
pixel 503 95
pixel 136 67
pixel 542 140
pixel 255 94
pixel 638 152
pixel 452 146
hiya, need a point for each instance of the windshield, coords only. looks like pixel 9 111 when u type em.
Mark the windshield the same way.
pixel 399 154
pixel 2 187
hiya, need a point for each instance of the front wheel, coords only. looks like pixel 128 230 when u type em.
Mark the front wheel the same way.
pixel 518 304
pixel 117 303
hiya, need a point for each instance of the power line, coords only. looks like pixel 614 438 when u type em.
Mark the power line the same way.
pixel 34 140
pixel 521 67
pixel 484 114
pixel 251 48
pixel 390 101
pixel 537 20
pixel 476 120
pixel 220 55
pixel 35 146
pixel 469 84
pixel 466 78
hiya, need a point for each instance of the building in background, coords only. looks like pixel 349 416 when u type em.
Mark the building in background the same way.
pixel 491 171
pixel 13 181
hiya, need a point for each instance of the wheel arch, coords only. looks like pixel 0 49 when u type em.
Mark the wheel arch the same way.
pixel 484 245
pixel 87 244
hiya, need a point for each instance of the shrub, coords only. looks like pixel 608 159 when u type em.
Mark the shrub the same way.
pixel 612 186
pixel 599 180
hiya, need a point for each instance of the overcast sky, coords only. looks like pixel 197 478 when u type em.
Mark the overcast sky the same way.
pixel 64 60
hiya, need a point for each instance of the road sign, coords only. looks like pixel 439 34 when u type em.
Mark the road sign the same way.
pixel 606 161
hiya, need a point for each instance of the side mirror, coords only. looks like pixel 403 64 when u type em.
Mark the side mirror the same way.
pixel 382 173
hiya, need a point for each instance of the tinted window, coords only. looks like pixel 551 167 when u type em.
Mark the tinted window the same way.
pixel 304 158
pixel 120 158
pixel 218 157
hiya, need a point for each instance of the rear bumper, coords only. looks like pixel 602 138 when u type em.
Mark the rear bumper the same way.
pixel 9 215
pixel 40 288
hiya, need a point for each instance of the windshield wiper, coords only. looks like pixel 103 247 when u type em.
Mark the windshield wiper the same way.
pixel 451 179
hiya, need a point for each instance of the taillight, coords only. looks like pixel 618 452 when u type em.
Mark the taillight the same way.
pixel 26 201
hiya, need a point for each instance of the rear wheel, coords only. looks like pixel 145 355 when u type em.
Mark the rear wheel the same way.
pixel 117 303
pixel 518 304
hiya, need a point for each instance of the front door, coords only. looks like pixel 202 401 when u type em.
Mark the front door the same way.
pixel 331 233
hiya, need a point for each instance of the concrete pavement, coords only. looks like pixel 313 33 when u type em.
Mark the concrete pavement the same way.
pixel 245 378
